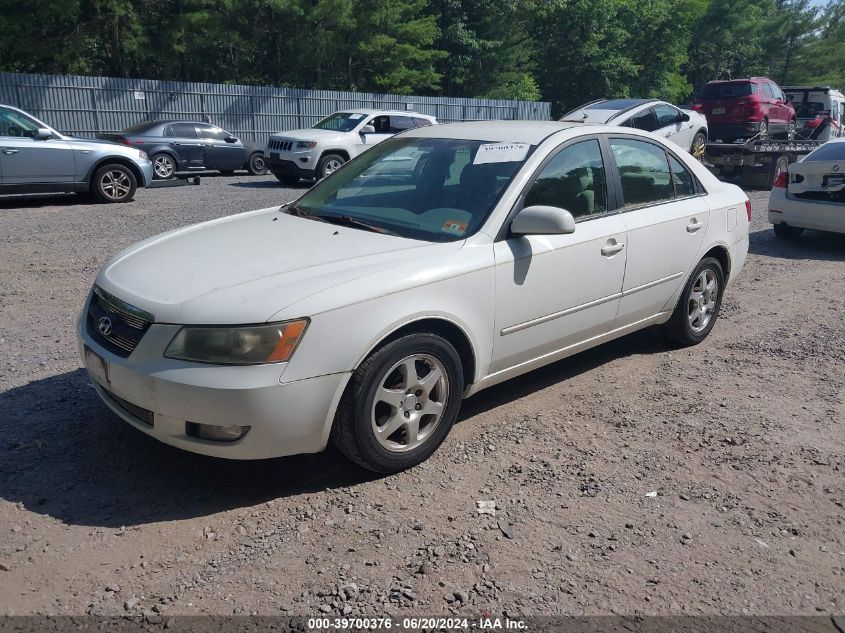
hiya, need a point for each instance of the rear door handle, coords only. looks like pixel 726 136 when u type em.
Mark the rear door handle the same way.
pixel 611 248
pixel 693 226
pixel 9 151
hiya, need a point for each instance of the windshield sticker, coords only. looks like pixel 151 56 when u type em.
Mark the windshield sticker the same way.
pixel 355 117
pixel 453 226
pixel 501 153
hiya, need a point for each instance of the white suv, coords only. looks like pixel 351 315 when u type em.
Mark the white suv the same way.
pixel 317 151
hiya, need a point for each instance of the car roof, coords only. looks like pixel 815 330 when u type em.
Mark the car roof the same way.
pixel 532 132
pixel 369 111
pixel 605 110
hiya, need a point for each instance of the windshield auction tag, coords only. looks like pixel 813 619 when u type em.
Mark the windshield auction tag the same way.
pixel 501 153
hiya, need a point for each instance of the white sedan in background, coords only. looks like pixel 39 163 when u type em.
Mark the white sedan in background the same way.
pixel 811 194
pixel 685 128
pixel 440 262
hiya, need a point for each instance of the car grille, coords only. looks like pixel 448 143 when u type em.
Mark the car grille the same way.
pixel 140 414
pixel 284 146
pixel 126 323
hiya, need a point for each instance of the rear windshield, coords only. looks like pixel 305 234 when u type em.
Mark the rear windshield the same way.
pixel 727 90
pixel 828 151
pixel 615 104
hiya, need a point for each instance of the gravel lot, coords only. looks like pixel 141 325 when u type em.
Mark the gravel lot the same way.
pixel 634 478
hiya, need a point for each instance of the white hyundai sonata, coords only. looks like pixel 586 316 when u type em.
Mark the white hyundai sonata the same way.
pixel 442 261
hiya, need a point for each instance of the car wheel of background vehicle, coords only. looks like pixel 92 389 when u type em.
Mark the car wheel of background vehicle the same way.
pixel 698 308
pixel 400 404
pixel 256 165
pixel 114 183
pixel 699 146
pixel 787 232
pixel 790 130
pixel 285 179
pixel 329 164
pixel 763 129
pixel 164 166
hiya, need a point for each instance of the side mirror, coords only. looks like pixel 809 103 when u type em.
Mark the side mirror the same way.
pixel 43 134
pixel 368 129
pixel 543 220
pixel 684 117
pixel 231 139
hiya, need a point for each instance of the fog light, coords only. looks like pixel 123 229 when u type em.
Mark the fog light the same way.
pixel 216 433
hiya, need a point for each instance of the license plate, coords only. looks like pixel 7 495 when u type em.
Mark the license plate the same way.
pixel 97 367
pixel 717 111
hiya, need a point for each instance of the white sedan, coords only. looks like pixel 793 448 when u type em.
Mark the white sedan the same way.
pixel 686 128
pixel 811 194
pixel 365 311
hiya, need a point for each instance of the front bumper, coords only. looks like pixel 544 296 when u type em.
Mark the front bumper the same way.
pixel 285 418
pixel 146 167
pixel 289 166
pixel 806 214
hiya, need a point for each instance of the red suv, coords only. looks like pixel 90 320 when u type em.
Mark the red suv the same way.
pixel 741 108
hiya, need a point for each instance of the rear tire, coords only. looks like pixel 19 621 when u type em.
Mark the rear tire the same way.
pixel 114 183
pixel 391 418
pixel 788 232
pixel 329 164
pixel 164 166
pixel 256 166
pixel 698 307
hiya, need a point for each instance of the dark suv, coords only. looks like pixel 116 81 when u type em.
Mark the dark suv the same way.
pixel 742 108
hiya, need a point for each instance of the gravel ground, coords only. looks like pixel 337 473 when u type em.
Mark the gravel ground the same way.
pixel 633 478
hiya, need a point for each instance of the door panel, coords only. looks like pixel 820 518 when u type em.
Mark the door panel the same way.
pixel 26 159
pixel 665 222
pixel 672 127
pixel 220 154
pixel 553 291
pixel 190 150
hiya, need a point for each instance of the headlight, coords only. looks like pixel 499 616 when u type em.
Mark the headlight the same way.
pixel 306 144
pixel 142 155
pixel 238 345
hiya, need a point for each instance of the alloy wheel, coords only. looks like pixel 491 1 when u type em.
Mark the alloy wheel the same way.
pixel 699 146
pixel 115 184
pixel 702 300
pixel 164 166
pixel 332 166
pixel 409 403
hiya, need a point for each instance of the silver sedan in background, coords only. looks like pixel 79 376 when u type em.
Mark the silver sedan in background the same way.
pixel 35 158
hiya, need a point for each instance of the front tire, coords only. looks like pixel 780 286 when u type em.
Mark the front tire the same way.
pixel 329 164
pixel 400 404
pixel 698 148
pixel 698 308
pixel 164 166
pixel 788 232
pixel 114 183
pixel 256 166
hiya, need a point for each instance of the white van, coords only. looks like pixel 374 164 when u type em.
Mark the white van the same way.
pixel 814 106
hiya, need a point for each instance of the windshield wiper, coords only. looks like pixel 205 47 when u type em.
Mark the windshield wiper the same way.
pixel 345 220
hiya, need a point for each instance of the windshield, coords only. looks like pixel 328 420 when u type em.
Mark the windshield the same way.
pixel 340 122
pixel 440 190
pixel 828 151
pixel 727 90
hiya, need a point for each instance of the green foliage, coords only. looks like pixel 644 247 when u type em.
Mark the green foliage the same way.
pixel 564 51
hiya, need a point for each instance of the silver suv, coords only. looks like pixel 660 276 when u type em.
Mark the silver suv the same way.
pixel 35 158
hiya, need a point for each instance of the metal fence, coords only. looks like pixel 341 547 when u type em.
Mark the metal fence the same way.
pixel 84 106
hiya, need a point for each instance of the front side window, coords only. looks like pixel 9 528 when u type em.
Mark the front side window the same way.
pixel 643 171
pixel 13 123
pixel 340 122
pixel 645 120
pixel 212 133
pixel 439 190
pixel 573 180
pixel 666 115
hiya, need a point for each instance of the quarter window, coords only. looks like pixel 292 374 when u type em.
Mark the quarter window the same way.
pixel 573 180
pixel 643 171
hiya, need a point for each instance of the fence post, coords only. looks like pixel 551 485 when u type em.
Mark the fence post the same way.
pixel 97 129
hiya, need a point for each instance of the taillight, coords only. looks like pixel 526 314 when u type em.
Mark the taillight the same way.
pixel 748 209
pixel 698 107
pixel 782 180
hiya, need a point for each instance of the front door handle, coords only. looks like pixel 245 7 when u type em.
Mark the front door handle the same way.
pixel 9 151
pixel 693 226
pixel 611 248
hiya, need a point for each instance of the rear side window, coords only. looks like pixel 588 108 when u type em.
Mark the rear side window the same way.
pixel 645 120
pixel 727 90
pixel 183 130
pixel 643 171
pixel 573 180
pixel 400 124
pixel 422 122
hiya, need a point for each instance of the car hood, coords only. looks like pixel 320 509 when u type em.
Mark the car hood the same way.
pixel 248 267
pixel 310 134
